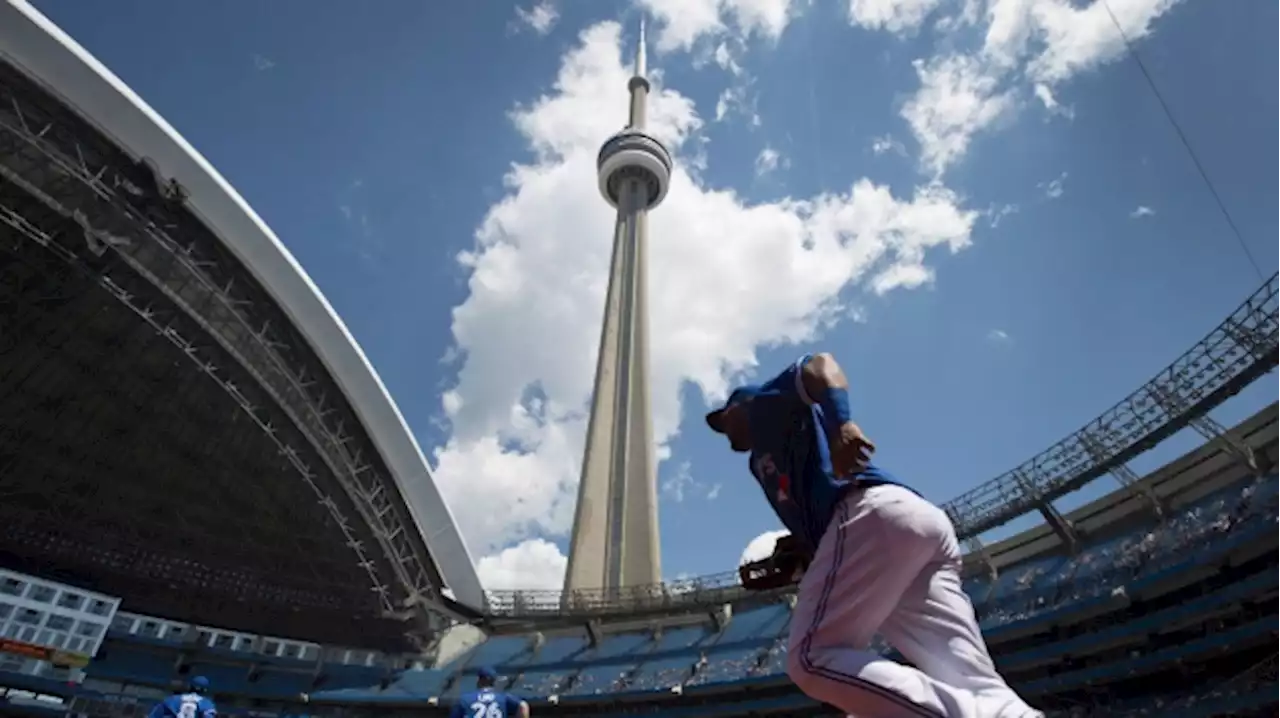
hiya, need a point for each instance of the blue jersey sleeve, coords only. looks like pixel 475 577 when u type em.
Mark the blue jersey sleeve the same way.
pixel 790 382
pixel 207 708
pixel 458 711
pixel 158 711
pixel 513 706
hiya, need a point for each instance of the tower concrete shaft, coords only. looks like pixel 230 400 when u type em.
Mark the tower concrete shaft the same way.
pixel 615 531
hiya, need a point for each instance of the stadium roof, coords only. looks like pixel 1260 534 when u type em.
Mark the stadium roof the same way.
pixel 60 67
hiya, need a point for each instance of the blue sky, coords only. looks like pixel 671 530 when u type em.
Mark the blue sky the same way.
pixel 944 193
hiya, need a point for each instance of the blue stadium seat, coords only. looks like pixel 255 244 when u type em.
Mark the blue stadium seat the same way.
pixel 499 651
pixel 621 644
pixel 556 650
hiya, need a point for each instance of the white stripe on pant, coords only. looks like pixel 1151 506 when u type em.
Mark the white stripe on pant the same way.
pixel 890 563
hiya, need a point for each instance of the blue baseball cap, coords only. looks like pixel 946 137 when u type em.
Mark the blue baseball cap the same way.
pixel 487 673
pixel 200 682
pixel 715 419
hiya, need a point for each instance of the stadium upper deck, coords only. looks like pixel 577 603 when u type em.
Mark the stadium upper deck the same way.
pixel 162 357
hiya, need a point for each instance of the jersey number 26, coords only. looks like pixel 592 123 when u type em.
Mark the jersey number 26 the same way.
pixel 486 710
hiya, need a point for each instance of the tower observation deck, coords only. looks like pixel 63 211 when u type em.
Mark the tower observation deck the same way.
pixel 615 531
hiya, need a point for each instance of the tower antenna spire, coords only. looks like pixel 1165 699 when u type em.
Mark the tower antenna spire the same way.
pixel 641 70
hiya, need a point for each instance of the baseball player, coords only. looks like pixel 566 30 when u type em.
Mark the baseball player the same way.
pixel 192 704
pixel 488 703
pixel 881 558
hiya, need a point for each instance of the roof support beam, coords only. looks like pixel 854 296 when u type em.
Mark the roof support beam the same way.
pixel 1061 526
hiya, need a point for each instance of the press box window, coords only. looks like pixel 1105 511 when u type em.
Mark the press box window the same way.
pixel 28 616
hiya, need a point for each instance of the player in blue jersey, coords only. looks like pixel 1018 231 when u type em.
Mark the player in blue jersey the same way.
pixel 882 559
pixel 485 702
pixel 191 704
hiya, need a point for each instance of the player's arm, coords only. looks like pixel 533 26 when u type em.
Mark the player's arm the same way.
pixel 157 711
pixel 821 381
pixel 524 710
pixel 517 707
pixel 458 711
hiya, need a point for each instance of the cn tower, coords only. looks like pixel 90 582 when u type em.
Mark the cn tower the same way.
pixel 615 527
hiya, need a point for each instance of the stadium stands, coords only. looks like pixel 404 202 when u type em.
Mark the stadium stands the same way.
pixel 1098 627
pixel 1073 631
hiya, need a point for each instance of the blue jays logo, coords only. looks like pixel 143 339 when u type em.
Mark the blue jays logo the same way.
pixel 765 470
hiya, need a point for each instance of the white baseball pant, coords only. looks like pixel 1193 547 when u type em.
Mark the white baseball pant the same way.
pixel 890 563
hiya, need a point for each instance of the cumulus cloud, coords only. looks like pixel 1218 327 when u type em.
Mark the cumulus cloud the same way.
pixel 532 565
pixel 1142 211
pixel 760 546
pixel 1028 46
pixel 682 23
pixel 896 16
pixel 957 98
pixel 526 335
pixel 541 18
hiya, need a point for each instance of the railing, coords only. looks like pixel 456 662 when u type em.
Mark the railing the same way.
pixel 673 595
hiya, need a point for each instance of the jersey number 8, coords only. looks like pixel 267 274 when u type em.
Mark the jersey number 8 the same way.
pixel 486 710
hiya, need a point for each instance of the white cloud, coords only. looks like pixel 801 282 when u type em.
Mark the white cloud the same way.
pixel 262 63
pixel 1078 39
pixel 995 214
pixel 1042 43
pixel 527 332
pixel 1054 188
pixel 680 485
pixel 958 97
pixel 533 565
pixel 999 335
pixel 682 23
pixel 1142 211
pixel 895 16
pixel 769 160
pixel 724 59
pixel 541 18
pixel 761 546
pixel 734 99
pixel 1046 97
pixel 887 143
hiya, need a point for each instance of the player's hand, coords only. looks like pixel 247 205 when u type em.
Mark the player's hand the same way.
pixel 851 450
